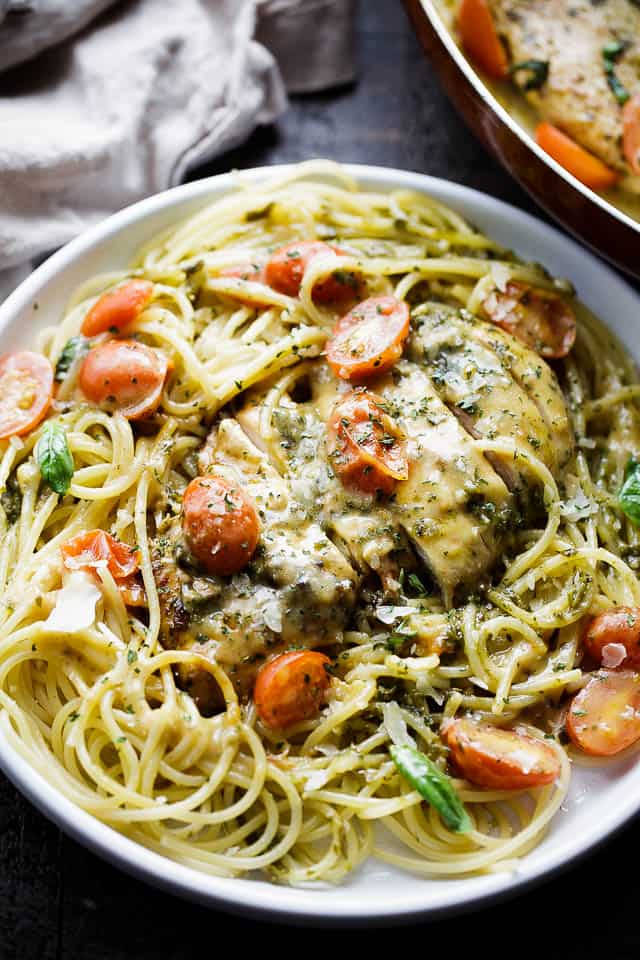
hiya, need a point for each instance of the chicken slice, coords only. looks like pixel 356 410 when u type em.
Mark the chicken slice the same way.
pixel 454 507
pixel 522 365
pixel 298 590
pixel 369 537
pixel 471 379
pixel 569 38
pixel 453 510
pixel 536 377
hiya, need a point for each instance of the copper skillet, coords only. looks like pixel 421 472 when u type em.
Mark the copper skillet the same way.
pixel 592 219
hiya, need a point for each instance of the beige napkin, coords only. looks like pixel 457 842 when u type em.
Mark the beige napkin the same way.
pixel 147 90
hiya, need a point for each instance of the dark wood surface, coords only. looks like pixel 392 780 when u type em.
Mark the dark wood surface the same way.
pixel 59 902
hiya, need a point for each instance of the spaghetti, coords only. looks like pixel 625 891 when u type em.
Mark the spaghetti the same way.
pixel 103 696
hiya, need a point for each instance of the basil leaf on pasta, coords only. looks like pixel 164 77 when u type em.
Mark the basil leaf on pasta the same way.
pixel 629 496
pixel 73 349
pixel 433 785
pixel 54 457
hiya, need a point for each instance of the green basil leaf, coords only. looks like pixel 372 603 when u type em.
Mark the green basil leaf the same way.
pixel 610 53
pixel 629 495
pixel 416 584
pixel 537 70
pixel 433 785
pixel 54 457
pixel 74 348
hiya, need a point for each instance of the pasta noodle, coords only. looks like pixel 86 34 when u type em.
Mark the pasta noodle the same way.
pixel 94 698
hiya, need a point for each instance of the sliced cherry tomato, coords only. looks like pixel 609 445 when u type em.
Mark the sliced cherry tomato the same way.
pixel 132 591
pixel 613 637
pixel 539 318
pixel 124 375
pixel 26 388
pixel 252 272
pixel 96 548
pixel 117 308
pixel 631 132
pixel 285 270
pixel 368 340
pixel 364 444
pixel 584 166
pixel 291 688
pixel 604 718
pixel 220 524
pixel 499 759
pixel 480 38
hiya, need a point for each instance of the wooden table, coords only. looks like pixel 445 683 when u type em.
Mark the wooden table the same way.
pixel 59 902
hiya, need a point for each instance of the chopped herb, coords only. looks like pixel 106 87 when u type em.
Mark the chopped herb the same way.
pixel 258 214
pixel 610 54
pixel 11 500
pixel 469 404
pixel 394 642
pixel 416 584
pixel 536 73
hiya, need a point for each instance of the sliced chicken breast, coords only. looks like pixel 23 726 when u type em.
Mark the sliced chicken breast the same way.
pixel 454 507
pixel 298 590
pixel 569 37
pixel 472 380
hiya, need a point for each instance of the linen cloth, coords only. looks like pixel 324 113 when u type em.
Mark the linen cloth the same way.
pixel 119 103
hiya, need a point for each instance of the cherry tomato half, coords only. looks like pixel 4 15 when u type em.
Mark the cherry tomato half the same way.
pixel 285 271
pixel 580 163
pixel 97 548
pixel 631 132
pixel 26 388
pixel 614 636
pixel 291 688
pixel 364 444
pixel 252 272
pixel 499 759
pixel 480 38
pixel 117 308
pixel 539 318
pixel 368 340
pixel 124 375
pixel 220 524
pixel 604 718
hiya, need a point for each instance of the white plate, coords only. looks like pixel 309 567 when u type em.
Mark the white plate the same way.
pixel 600 799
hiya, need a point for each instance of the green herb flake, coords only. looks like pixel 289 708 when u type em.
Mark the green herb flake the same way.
pixel 610 54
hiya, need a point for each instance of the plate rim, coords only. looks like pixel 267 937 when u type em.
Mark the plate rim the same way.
pixel 257 898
